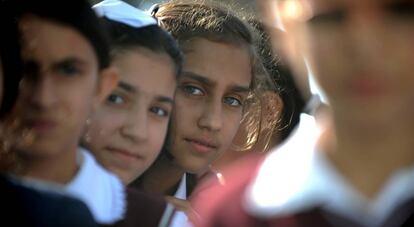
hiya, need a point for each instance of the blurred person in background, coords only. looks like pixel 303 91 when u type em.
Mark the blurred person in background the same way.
pixel 355 170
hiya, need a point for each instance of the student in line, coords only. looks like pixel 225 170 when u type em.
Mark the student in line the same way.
pixel 21 205
pixel 220 77
pixel 66 75
pixel 357 169
pixel 126 133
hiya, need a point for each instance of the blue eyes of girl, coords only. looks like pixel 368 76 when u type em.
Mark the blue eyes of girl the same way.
pixel 193 90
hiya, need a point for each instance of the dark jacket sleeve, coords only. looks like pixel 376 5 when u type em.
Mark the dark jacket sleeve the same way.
pixel 24 206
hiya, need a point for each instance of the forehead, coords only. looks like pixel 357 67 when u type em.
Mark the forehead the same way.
pixel 148 71
pixel 49 41
pixel 221 63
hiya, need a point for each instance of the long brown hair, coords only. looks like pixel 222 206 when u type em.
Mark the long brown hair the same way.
pixel 187 20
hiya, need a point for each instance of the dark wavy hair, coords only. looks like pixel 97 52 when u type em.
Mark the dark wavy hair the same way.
pixel 125 38
pixel 76 14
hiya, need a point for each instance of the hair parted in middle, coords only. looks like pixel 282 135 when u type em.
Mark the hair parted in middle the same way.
pixel 187 20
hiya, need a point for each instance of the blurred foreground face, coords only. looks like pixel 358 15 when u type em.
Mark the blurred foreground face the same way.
pixel 59 86
pixel 128 130
pixel 360 51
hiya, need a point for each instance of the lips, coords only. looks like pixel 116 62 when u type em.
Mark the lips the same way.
pixel 202 145
pixel 367 87
pixel 123 152
pixel 41 126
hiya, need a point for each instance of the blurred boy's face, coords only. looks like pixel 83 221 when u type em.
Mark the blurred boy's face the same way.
pixel 360 51
pixel 59 87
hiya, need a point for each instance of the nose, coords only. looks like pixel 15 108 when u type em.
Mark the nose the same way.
pixel 135 127
pixel 40 93
pixel 212 116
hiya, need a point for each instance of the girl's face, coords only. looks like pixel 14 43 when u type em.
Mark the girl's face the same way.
pixel 361 52
pixel 209 102
pixel 127 131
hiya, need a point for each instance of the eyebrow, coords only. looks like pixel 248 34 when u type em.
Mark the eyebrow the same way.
pixel 127 87
pixel 208 82
pixel 32 65
pixel 240 89
pixel 71 60
pixel 165 99
pixel 198 78
pixel 131 89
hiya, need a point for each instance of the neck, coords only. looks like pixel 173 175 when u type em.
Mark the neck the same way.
pixel 162 177
pixel 60 169
pixel 362 151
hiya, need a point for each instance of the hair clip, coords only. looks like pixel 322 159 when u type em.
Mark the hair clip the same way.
pixel 154 9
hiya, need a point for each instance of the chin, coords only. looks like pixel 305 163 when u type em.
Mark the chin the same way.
pixel 194 168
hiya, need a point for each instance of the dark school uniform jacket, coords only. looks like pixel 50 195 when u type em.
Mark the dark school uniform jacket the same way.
pixel 23 206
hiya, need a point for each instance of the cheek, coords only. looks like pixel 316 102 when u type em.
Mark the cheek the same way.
pixel 185 113
pixel 157 134
pixel 232 123
pixel 326 50
pixel 103 126
pixel 399 57
pixel 79 102
pixel 327 60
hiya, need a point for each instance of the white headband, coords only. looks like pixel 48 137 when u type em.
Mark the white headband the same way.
pixel 122 12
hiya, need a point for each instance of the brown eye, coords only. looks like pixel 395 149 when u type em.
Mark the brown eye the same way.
pixel 116 99
pixel 402 9
pixel 161 112
pixel 30 70
pixel 335 16
pixel 68 68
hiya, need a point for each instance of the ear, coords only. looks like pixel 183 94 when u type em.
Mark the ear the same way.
pixel 108 81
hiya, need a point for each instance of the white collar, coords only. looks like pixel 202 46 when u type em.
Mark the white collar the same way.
pixel 180 219
pixel 295 177
pixel 99 189
pixel 284 173
pixel 181 192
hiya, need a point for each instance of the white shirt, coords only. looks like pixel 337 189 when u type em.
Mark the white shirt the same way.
pixel 296 176
pixel 179 218
pixel 99 189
